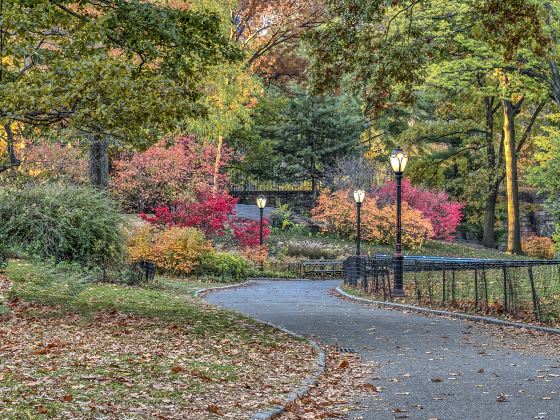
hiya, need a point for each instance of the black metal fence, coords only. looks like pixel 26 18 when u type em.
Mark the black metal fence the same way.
pixel 525 289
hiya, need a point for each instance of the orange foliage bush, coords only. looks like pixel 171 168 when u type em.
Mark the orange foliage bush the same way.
pixel 175 250
pixel 336 211
pixel 140 244
pixel 257 255
pixel 538 247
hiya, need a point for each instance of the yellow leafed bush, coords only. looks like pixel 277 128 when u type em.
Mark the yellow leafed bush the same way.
pixel 175 250
pixel 538 247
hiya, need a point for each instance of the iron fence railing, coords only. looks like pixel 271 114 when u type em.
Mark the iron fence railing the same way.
pixel 527 289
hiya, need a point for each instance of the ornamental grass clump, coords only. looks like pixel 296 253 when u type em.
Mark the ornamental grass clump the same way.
pixel 538 247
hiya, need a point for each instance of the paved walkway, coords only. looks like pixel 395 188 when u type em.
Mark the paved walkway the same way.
pixel 429 367
pixel 251 212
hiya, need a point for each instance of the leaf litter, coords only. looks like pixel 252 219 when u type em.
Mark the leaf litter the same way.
pixel 113 365
pixel 339 390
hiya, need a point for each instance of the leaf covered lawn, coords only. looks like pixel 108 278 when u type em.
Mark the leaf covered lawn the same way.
pixel 114 361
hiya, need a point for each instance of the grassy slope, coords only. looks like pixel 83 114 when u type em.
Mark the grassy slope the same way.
pixel 116 346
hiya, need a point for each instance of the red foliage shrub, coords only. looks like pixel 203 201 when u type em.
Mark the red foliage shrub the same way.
pixel 210 213
pixel 166 172
pixel 444 214
pixel 213 214
pixel 247 231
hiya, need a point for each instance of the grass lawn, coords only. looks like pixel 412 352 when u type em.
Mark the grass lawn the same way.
pixel 72 348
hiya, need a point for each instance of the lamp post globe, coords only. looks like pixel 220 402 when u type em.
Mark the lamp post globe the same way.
pixel 398 160
pixel 261 204
pixel 359 196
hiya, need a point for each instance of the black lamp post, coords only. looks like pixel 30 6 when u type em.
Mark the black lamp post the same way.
pixel 359 196
pixel 398 160
pixel 261 204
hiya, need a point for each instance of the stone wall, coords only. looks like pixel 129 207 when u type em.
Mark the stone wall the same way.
pixel 535 220
pixel 297 200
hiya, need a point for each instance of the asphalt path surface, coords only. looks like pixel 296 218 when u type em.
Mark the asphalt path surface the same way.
pixel 429 367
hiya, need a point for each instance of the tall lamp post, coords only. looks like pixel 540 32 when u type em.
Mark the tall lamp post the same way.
pixel 261 204
pixel 359 196
pixel 398 159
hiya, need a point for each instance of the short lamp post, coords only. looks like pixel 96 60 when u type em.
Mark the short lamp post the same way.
pixel 398 159
pixel 359 196
pixel 261 204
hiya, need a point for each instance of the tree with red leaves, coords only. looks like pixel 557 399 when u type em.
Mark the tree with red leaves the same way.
pixel 169 171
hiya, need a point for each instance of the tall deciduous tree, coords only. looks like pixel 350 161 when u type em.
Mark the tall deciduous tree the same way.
pixel 486 47
pixel 112 71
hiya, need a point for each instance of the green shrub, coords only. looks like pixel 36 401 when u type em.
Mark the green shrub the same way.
pixel 67 223
pixel 223 264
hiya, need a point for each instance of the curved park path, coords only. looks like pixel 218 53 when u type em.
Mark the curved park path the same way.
pixel 429 367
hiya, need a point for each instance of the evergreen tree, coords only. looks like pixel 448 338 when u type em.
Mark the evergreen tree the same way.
pixel 298 138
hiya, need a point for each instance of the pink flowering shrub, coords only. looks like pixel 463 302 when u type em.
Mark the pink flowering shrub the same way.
pixel 166 172
pixel 247 231
pixel 444 214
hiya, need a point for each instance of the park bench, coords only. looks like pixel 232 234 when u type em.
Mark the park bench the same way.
pixel 323 269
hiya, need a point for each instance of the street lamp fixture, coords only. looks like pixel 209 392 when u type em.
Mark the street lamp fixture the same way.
pixel 261 204
pixel 398 159
pixel 359 196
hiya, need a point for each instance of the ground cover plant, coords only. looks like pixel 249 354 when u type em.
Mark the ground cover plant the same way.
pixel 70 347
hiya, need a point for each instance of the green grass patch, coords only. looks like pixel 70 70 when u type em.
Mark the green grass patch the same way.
pixel 72 289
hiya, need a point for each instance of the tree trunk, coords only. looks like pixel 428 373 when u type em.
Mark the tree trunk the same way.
pixel 13 160
pixel 493 185
pixel 490 218
pixel 314 188
pixel 217 163
pixel 512 187
pixel 99 162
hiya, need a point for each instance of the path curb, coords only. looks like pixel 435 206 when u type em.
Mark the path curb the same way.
pixel 320 360
pixel 475 318
pixel 202 292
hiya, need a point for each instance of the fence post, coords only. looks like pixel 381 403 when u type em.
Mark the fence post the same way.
pixel 418 291
pixel 444 291
pixel 476 288
pixel 536 307
pixel 485 285
pixel 505 291
pixel 453 300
